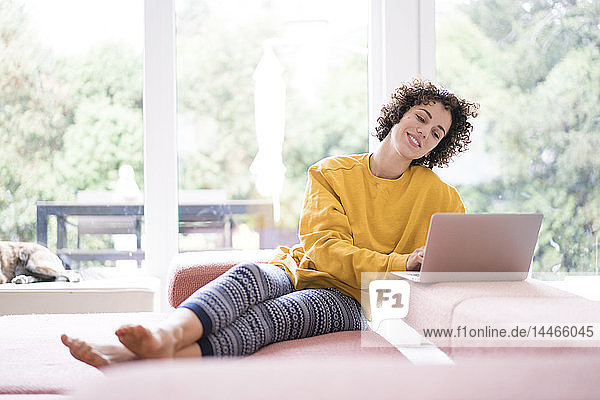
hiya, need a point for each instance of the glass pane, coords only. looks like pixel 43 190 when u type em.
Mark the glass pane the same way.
pixel 71 121
pixel 533 66
pixel 265 89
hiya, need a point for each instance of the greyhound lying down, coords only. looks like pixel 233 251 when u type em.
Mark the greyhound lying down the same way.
pixel 22 262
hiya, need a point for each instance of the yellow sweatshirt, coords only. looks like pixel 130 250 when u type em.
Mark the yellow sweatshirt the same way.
pixel 353 222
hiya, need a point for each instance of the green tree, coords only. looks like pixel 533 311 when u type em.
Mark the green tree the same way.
pixel 66 124
pixel 34 112
pixel 106 130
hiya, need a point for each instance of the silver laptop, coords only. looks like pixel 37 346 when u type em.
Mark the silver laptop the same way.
pixel 477 247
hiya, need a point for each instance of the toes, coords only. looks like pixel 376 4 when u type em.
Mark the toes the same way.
pixel 72 343
pixel 142 332
pixel 133 332
pixel 82 351
pixel 123 330
pixel 129 330
pixel 140 340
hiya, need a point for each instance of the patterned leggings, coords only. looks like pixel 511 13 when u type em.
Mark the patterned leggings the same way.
pixel 251 306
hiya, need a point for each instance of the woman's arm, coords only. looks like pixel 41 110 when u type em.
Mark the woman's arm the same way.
pixel 325 234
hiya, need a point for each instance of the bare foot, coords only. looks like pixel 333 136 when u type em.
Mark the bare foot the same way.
pixel 98 356
pixel 146 343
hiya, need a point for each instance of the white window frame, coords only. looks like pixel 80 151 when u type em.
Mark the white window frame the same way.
pixel 401 47
pixel 161 217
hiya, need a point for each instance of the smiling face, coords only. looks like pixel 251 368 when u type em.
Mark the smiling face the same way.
pixel 420 130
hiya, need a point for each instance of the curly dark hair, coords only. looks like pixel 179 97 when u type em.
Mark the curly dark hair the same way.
pixel 421 91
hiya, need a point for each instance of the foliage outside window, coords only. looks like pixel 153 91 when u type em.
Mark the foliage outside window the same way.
pixel 73 120
pixel 323 53
pixel 533 65
pixel 67 121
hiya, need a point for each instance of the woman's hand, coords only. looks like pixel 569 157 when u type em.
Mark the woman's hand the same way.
pixel 415 259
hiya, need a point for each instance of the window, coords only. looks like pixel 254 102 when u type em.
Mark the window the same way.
pixel 70 112
pixel 533 66
pixel 265 89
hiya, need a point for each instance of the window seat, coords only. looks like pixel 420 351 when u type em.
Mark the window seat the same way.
pixel 134 293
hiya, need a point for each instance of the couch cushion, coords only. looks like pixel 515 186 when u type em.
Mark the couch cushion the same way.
pixel 496 305
pixel 345 345
pixel 33 359
pixel 324 377
pixel 525 314
pixel 35 397
pixel 190 271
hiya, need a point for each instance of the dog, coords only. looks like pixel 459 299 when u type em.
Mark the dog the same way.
pixel 22 262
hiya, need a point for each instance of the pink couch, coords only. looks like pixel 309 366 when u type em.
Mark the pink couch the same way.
pixel 35 365
pixel 348 378
pixel 33 361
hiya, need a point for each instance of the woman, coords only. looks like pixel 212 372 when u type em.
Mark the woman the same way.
pixel 361 213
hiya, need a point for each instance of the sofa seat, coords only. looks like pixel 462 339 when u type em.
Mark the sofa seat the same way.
pixel 35 362
pixel 344 378
pixel 500 305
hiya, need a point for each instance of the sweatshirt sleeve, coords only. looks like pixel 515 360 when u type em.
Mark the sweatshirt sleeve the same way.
pixel 326 236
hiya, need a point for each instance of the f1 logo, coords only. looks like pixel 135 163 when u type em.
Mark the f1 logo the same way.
pixel 381 297
pixel 389 300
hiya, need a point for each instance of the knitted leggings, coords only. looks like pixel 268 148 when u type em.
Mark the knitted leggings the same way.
pixel 251 306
